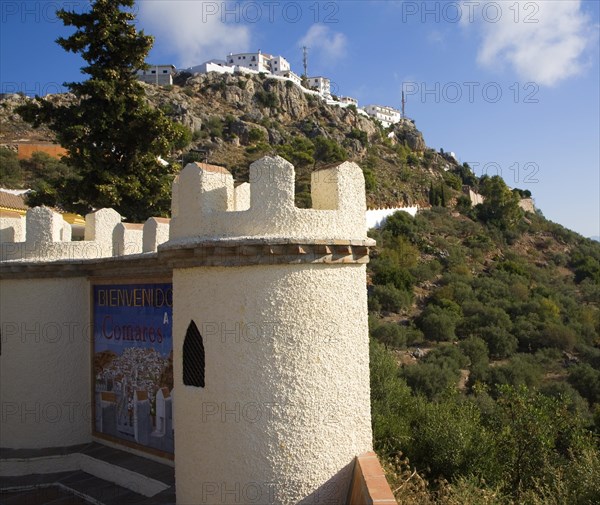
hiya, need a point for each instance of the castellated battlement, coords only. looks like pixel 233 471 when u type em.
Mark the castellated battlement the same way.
pixel 207 205
pixel 43 235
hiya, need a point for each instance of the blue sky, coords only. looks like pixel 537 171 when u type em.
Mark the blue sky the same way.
pixel 509 86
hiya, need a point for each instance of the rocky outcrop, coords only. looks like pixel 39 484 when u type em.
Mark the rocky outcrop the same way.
pixel 406 132
pixel 234 117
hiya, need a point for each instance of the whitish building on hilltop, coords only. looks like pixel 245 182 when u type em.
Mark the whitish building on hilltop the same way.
pixel 161 75
pixel 322 85
pixel 258 62
pixel 387 115
pixel 213 65
pixel 348 100
pixel 254 61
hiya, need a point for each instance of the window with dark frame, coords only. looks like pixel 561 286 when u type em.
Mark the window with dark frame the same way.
pixel 193 357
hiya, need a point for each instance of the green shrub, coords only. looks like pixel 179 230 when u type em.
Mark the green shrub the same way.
pixel 521 370
pixel 300 151
pixel 429 379
pixel 10 169
pixel 586 381
pixel 391 335
pixel 412 159
pixel 463 204
pixel 534 435
pixel 450 440
pixel 266 98
pixel 256 135
pixel 387 271
pixel 390 298
pixel 390 396
pixel 438 323
pixel 425 271
pixel 329 151
pixel 359 135
pixel 183 136
pixel 452 181
pixel 499 341
pixel 447 356
pixel 476 350
pixel 370 181
pixel 218 86
pixel 214 126
pixel 402 224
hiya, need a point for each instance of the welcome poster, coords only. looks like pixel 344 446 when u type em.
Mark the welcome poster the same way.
pixel 133 363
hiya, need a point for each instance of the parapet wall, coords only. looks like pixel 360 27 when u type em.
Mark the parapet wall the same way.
pixel 43 235
pixel 206 205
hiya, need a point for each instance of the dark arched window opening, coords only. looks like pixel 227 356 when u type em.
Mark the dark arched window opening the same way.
pixel 193 357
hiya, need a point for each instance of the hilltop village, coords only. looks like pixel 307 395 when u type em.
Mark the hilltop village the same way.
pixel 275 67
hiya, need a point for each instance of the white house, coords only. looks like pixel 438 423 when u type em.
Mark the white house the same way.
pixel 322 85
pixel 213 65
pixel 261 62
pixel 161 75
pixel 348 100
pixel 279 64
pixel 387 115
pixel 266 63
pixel 288 74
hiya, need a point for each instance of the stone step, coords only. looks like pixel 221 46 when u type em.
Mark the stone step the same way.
pixel 89 474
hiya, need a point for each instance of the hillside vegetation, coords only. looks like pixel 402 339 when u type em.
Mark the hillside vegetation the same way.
pixel 486 359
pixel 484 322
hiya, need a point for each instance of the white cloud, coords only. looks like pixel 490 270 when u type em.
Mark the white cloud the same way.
pixel 436 37
pixel 195 30
pixel 326 43
pixel 544 41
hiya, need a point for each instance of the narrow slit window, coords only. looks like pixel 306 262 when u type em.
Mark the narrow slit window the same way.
pixel 193 357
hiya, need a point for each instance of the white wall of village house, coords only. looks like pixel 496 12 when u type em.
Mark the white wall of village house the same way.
pixel 45 363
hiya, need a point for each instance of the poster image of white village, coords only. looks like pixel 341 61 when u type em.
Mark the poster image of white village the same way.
pixel 133 363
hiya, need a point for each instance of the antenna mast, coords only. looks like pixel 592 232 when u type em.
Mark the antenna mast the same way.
pixel 305 60
pixel 403 105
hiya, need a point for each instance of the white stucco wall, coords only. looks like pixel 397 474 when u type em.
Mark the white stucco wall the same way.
pixel 45 363
pixel 12 227
pixel 242 196
pixel 286 404
pixel 156 232
pixel 128 238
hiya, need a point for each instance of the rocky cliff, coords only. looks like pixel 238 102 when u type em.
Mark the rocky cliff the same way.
pixel 235 119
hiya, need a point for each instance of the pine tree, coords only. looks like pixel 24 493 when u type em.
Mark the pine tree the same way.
pixel 113 137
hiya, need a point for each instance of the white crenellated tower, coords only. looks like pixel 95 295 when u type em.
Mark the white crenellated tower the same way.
pixel 271 356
